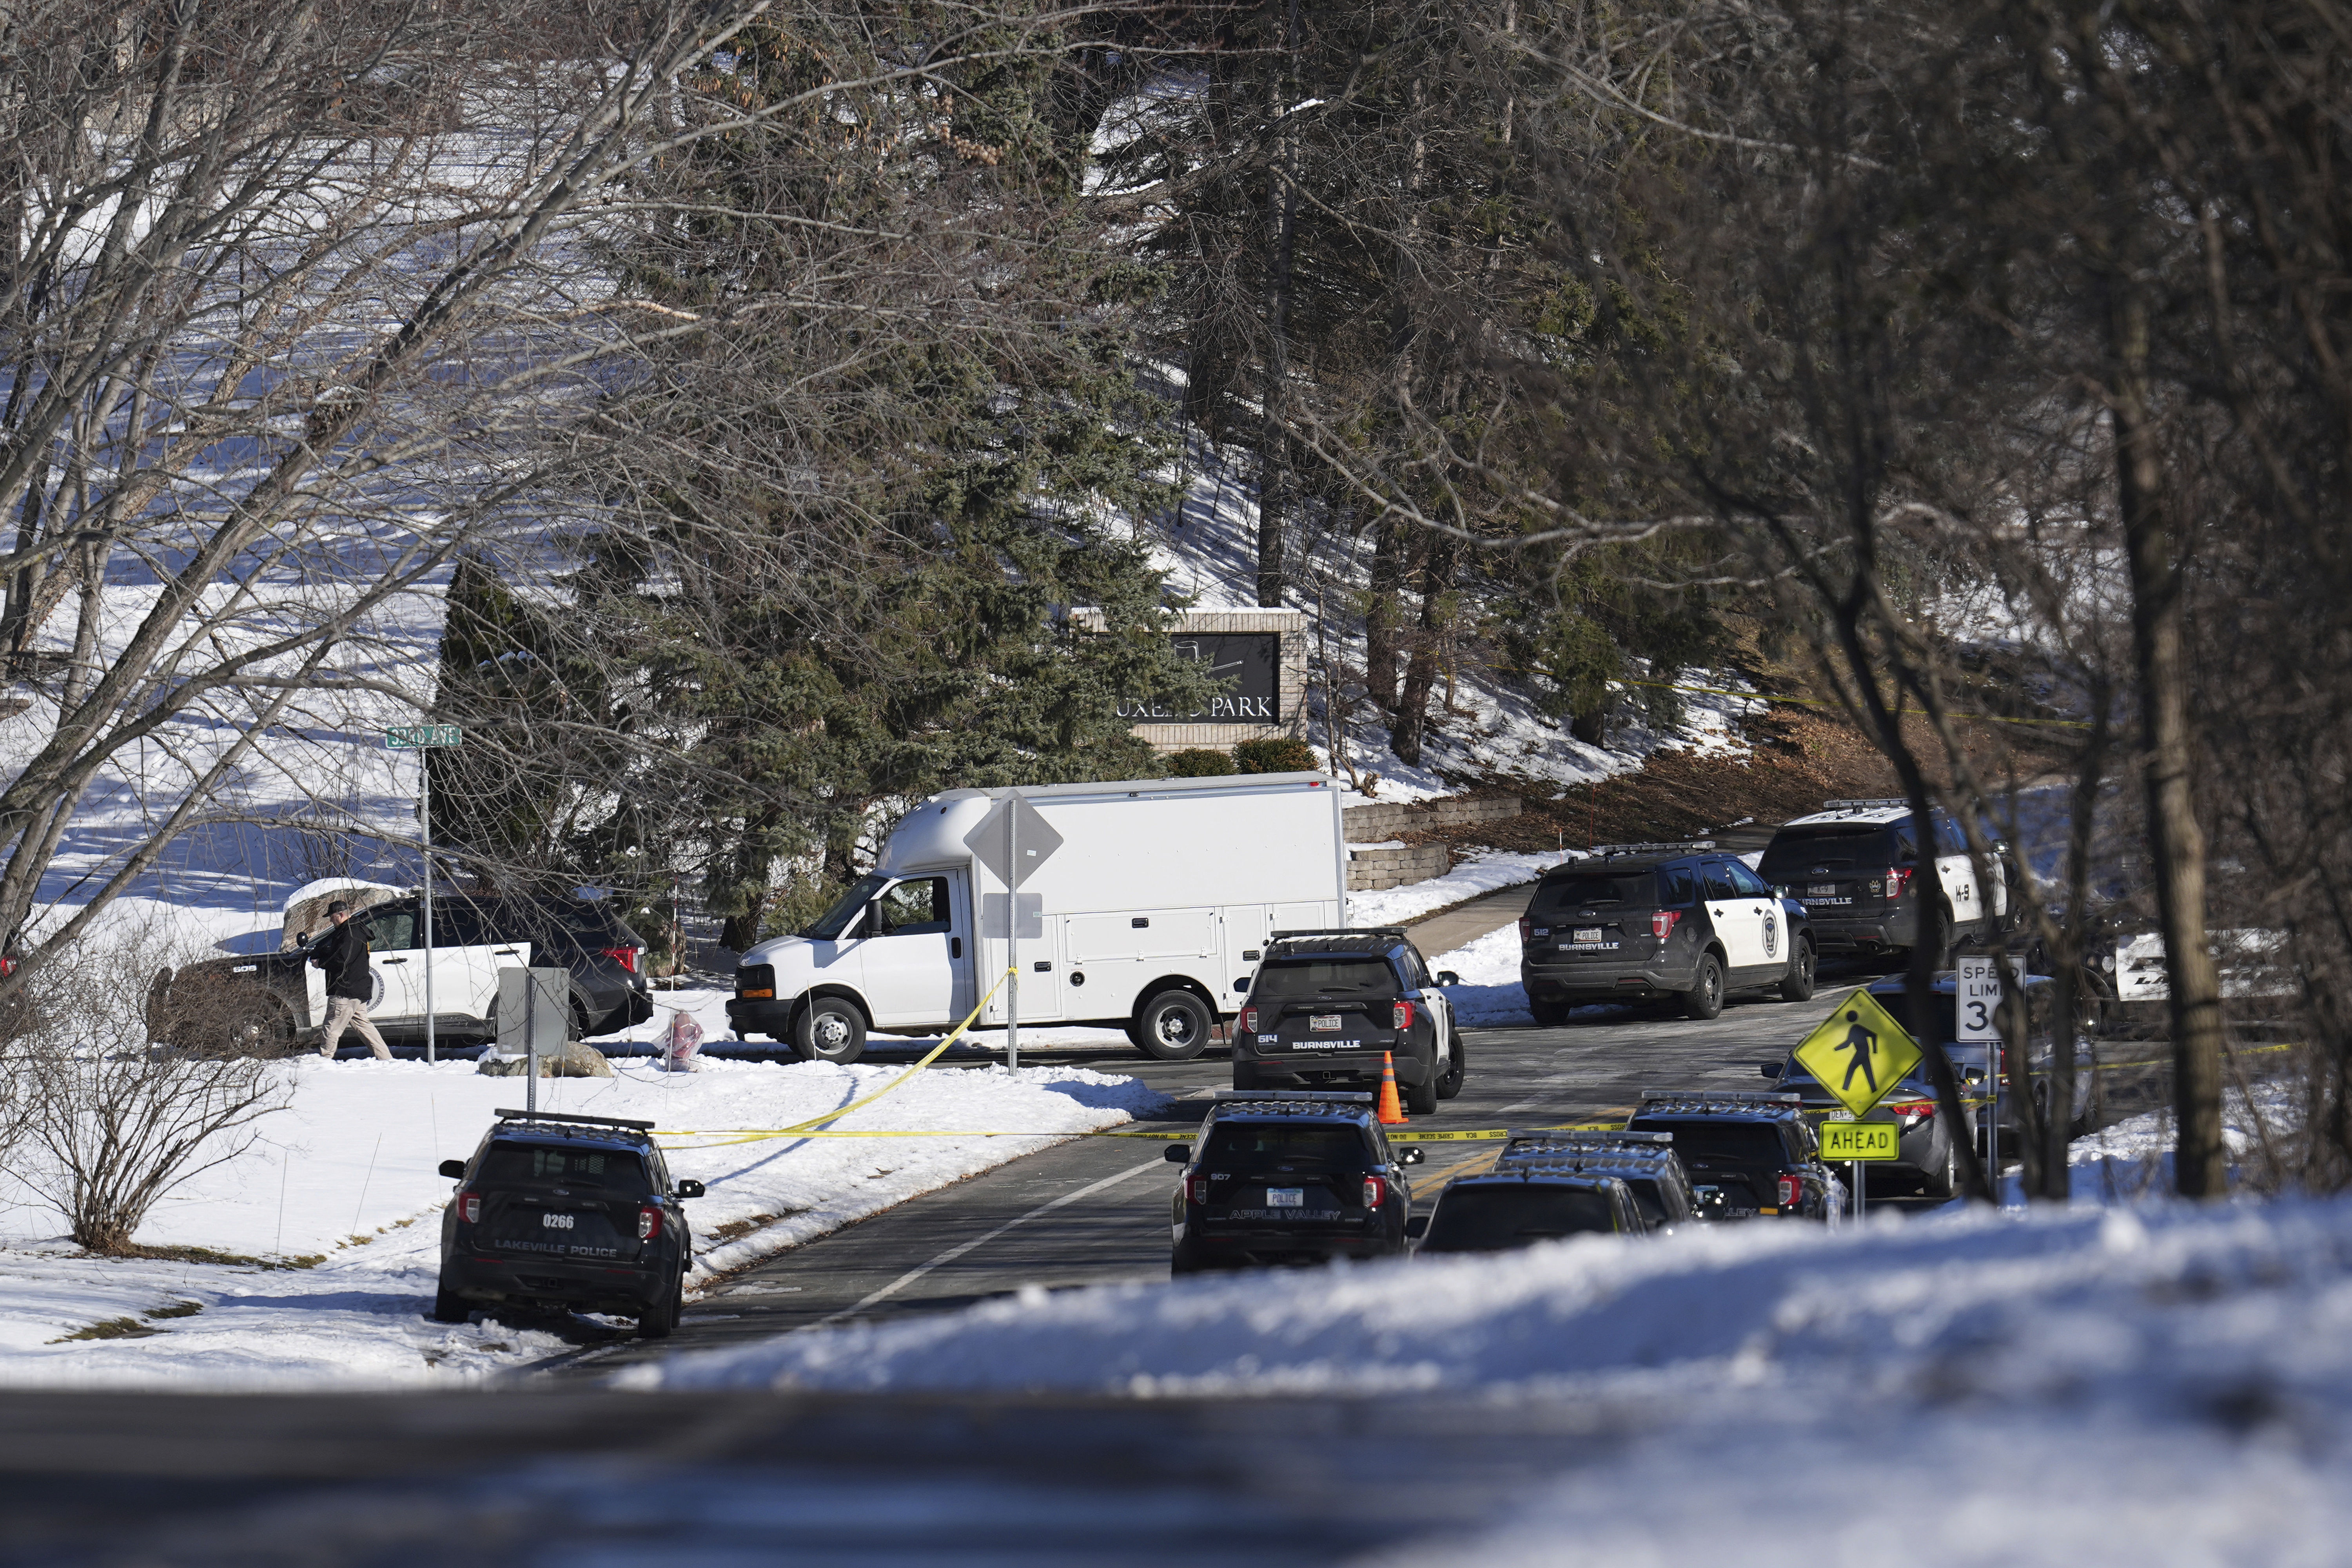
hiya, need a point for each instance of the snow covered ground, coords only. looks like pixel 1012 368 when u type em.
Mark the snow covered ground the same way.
pixel 2154 1384
pixel 336 1213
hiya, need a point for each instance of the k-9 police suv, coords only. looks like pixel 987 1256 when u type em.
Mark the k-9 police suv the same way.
pixel 1145 907
pixel 1638 922
pixel 1853 866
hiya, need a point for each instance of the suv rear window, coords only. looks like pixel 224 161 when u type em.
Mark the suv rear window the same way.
pixel 1285 979
pixel 1856 846
pixel 1750 1142
pixel 1629 890
pixel 1271 1148
pixel 1497 1219
pixel 526 1167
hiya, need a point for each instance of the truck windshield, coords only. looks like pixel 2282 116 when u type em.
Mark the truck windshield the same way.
pixel 1498 1218
pixel 835 920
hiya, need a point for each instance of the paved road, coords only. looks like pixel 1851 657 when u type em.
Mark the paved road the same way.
pixel 1095 1210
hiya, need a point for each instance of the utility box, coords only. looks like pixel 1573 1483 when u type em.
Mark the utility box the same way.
pixel 534 1011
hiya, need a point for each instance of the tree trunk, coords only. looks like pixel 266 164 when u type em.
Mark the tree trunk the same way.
pixel 1281 209
pixel 1420 672
pixel 1384 616
pixel 2176 842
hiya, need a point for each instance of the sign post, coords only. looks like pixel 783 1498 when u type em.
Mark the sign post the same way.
pixel 1976 997
pixel 416 737
pixel 1012 841
pixel 1859 1039
pixel 534 1006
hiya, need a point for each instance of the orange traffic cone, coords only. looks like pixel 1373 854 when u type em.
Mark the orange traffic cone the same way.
pixel 1391 1114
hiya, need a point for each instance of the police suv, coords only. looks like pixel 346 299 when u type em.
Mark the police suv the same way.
pixel 1502 1209
pixel 1646 1162
pixel 1334 1007
pixel 1749 1155
pixel 1288 1177
pixel 1852 865
pixel 1637 923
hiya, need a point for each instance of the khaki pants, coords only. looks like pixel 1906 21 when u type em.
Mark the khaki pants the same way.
pixel 350 1012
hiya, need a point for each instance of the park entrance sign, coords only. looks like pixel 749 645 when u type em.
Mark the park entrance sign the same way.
pixel 1859 1053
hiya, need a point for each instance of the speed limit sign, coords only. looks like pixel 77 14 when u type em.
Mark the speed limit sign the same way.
pixel 1976 989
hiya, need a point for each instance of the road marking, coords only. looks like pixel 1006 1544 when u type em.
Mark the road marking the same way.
pixel 952 1253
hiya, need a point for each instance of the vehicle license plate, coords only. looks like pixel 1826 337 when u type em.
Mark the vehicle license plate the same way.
pixel 555 1221
pixel 1285 1197
pixel 1585 933
pixel 1324 1021
pixel 1822 889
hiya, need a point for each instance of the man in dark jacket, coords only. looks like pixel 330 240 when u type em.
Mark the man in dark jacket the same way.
pixel 342 952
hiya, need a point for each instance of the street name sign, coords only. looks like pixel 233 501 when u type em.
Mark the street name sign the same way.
pixel 1859 1053
pixel 415 737
pixel 1860 1140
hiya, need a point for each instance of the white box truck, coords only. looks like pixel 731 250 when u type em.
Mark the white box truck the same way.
pixel 1148 914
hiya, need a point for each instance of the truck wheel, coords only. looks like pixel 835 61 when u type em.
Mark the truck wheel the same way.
pixel 1421 1098
pixel 1173 1026
pixel 448 1307
pixel 1704 998
pixel 1449 1084
pixel 830 1029
pixel 1799 986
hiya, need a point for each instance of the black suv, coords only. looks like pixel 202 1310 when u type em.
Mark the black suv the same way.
pixel 265 1003
pixel 1506 1209
pixel 1749 1155
pixel 1637 923
pixel 1289 1178
pixel 1646 1162
pixel 1325 1007
pixel 568 1212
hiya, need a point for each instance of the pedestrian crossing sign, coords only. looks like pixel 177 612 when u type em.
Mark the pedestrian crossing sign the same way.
pixel 1859 1053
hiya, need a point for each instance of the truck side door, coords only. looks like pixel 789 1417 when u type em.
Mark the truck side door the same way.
pixel 907 953
pixel 395 962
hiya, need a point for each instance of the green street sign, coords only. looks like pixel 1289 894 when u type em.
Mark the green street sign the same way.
pixel 414 737
pixel 1860 1140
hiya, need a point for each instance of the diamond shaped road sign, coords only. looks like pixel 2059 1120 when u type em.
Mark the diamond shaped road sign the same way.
pixel 1859 1053
pixel 1033 835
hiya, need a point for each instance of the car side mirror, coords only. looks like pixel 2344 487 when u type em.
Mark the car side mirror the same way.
pixel 1177 1153
pixel 690 1188
pixel 1410 1155
pixel 454 1169
pixel 1447 977
pixel 1416 1227
pixel 872 925
pixel 1771 1069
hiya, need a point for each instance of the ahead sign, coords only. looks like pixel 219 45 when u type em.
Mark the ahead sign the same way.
pixel 1859 1054
pixel 1860 1140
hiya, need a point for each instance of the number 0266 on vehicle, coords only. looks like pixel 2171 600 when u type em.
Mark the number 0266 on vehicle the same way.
pixel 1860 1140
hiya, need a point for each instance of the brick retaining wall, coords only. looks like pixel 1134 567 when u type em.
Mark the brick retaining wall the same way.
pixel 1372 824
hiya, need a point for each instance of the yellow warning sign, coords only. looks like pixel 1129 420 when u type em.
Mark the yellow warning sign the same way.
pixel 1859 1053
pixel 1860 1140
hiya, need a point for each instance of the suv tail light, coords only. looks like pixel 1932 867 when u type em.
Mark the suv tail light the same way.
pixel 8 965
pixel 469 1208
pixel 1792 1191
pixel 1898 880
pixel 1662 924
pixel 1376 1192
pixel 626 957
pixel 1400 1015
pixel 1249 1020
pixel 1526 928
pixel 1198 1186
pixel 1912 1111
pixel 648 1221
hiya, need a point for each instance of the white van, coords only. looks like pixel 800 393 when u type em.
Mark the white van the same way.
pixel 1149 915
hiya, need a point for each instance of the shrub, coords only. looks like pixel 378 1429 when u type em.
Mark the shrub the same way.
pixel 1283 755
pixel 1197 763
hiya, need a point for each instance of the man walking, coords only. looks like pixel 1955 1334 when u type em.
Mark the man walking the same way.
pixel 342 952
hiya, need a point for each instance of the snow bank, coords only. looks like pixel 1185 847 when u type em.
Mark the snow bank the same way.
pixel 1485 871
pixel 2161 1385
pixel 345 1177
